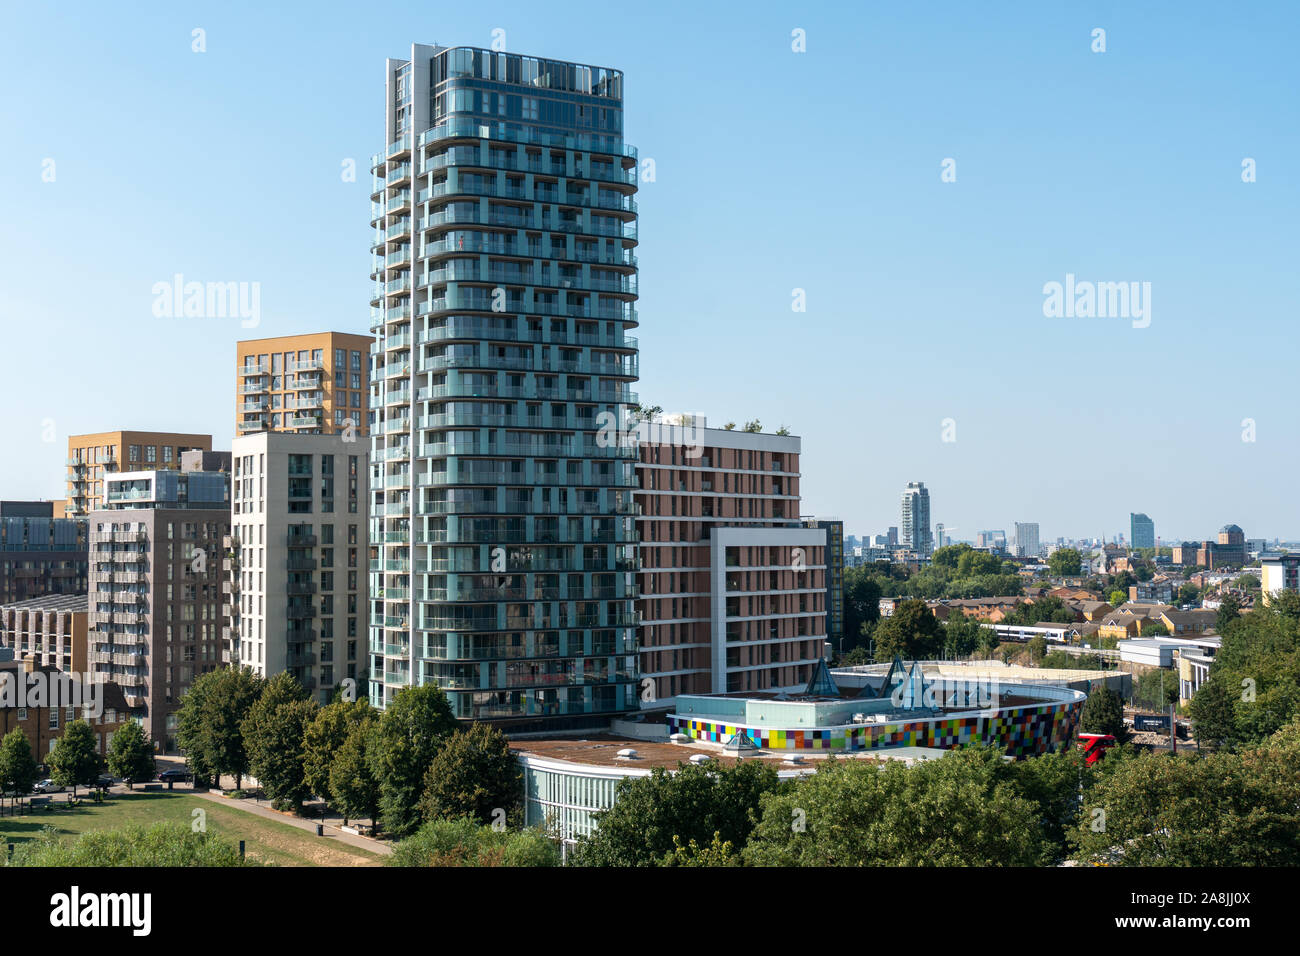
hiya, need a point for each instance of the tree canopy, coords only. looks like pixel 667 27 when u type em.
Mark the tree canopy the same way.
pixel 274 733
pixel 411 731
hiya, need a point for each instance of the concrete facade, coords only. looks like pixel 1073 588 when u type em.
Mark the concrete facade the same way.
pixel 298 558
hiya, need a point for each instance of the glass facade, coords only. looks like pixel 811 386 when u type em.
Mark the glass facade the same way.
pixel 502 514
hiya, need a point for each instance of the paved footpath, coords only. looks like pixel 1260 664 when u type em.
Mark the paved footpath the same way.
pixel 247 805
pixel 250 805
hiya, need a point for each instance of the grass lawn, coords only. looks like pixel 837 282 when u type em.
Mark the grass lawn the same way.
pixel 266 840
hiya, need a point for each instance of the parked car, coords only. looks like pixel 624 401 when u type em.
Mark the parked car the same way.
pixel 48 786
pixel 105 781
pixel 175 776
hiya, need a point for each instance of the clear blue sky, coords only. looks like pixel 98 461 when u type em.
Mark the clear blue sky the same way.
pixel 775 171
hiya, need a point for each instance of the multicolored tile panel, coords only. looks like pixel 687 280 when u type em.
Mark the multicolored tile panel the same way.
pixel 1020 731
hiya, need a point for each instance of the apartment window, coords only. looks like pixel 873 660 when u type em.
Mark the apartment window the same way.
pixel 133 453
pixel 341 357
pixel 356 361
pixel 150 453
pixel 54 719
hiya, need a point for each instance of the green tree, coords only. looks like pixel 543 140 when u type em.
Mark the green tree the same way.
pixel 1188 594
pixel 1286 604
pixel 1259 665
pixel 1065 562
pixel 273 735
pixel 162 844
pixel 74 761
pixel 962 635
pixel 1117 597
pixel 210 720
pixel 130 754
pixel 474 775
pixel 693 804
pixel 465 843
pixel 957 811
pixel 1103 713
pixel 1229 612
pixel 1214 712
pixel 1225 809
pixel 912 632
pixel 754 426
pixel 353 788
pixel 17 765
pixel 972 563
pixel 324 737
pixel 861 603
pixel 411 731
pixel 949 555
pixel 1037 648
pixel 1053 783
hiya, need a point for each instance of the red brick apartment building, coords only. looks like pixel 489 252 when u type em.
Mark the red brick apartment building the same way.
pixel 732 584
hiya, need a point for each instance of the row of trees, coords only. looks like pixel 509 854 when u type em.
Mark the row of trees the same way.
pixel 399 767
pixel 970 808
pixel 75 760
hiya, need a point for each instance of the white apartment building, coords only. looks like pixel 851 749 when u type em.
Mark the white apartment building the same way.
pixel 299 557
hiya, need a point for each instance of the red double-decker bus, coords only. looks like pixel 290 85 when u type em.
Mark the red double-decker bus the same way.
pixel 1095 745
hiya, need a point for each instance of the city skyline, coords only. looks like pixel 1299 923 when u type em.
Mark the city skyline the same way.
pixel 1162 98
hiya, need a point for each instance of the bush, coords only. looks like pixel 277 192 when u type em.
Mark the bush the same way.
pixel 464 843
pixel 162 844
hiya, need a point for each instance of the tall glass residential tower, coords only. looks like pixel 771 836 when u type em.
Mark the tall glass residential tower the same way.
pixel 502 513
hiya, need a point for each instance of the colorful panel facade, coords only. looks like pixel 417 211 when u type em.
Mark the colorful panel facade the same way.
pixel 1020 731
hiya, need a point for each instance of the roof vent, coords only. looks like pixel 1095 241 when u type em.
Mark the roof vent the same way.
pixel 627 753
pixel 699 758
pixel 680 739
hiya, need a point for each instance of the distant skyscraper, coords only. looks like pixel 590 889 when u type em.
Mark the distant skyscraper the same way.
pixel 1142 531
pixel 1027 539
pixel 916 518
pixel 892 536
